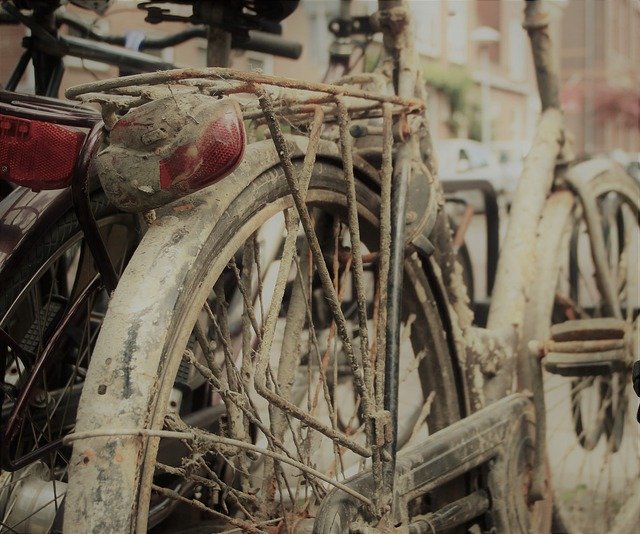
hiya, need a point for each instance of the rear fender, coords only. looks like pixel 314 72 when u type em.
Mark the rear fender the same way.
pixel 125 373
pixel 25 216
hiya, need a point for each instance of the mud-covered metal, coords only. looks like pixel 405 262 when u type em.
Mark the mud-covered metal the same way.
pixel 174 132
pixel 502 434
pixel 128 368
pixel 536 22
pixel 588 347
pixel 492 434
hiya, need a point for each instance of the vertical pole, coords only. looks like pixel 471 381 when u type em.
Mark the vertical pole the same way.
pixel 396 23
pixel 590 50
pixel 218 47
pixel 399 187
pixel 486 101
pixel 536 22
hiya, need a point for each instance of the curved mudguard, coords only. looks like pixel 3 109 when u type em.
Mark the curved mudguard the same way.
pixel 125 368
pixel 24 217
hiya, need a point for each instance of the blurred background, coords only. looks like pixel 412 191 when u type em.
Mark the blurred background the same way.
pixel 465 45
pixel 477 68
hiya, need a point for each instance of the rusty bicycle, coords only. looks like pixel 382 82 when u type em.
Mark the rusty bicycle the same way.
pixel 347 388
pixel 62 247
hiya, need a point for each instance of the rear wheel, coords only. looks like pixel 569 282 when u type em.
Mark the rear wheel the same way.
pixel 592 436
pixel 56 277
pixel 293 420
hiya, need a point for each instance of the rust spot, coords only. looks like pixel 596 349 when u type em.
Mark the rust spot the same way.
pixel 183 207
pixel 118 457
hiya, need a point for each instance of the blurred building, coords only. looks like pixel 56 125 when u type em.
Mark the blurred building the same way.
pixel 601 74
pixel 452 62
pixel 597 41
pixel 444 31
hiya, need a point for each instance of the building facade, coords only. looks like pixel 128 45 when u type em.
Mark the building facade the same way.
pixel 601 74
pixel 597 44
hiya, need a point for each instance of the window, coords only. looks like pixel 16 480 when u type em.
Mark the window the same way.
pixel 517 50
pixel 457 34
pixel 427 23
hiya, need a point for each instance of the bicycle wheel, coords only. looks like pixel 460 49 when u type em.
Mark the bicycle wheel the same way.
pixel 592 436
pixel 56 276
pixel 220 300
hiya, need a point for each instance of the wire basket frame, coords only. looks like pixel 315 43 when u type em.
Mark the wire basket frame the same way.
pixel 292 98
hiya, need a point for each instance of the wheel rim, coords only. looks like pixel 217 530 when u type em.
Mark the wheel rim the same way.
pixel 592 434
pixel 31 318
pixel 301 490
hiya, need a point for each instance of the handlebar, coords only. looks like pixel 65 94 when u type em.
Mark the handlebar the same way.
pixel 257 41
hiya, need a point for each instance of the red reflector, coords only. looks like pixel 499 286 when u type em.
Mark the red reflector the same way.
pixel 37 154
pixel 209 157
pixel 168 148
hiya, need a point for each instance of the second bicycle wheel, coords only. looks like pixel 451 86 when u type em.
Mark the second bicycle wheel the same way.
pixel 592 436
pixel 211 298
pixel 52 306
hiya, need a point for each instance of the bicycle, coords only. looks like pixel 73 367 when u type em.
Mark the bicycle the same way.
pixel 63 248
pixel 319 427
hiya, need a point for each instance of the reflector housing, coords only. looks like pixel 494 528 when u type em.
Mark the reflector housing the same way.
pixel 168 148
pixel 37 154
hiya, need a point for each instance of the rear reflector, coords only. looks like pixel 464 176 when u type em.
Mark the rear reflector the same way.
pixel 169 148
pixel 37 154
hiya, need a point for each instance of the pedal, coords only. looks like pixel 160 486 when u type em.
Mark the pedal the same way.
pixel 588 347
pixel 42 326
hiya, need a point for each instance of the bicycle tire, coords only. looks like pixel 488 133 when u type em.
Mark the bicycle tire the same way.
pixel 464 258
pixel 46 283
pixel 564 270
pixel 112 477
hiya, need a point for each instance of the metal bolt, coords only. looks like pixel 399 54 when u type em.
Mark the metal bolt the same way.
pixel 411 217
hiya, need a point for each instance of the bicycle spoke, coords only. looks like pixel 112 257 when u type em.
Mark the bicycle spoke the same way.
pixel 244 525
pixel 356 247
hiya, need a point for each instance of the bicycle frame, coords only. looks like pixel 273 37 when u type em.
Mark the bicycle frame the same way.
pixel 502 341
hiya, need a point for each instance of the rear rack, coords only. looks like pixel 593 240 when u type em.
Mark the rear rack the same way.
pixel 293 100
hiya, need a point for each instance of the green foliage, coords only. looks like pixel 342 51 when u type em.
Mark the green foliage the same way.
pixel 452 80
pixel 570 496
pixel 456 84
pixel 474 115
